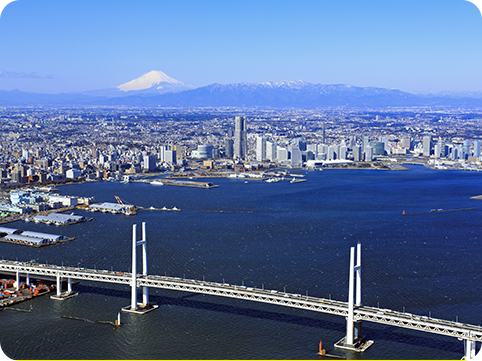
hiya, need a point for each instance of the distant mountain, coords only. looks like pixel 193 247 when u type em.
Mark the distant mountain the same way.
pixel 153 83
pixel 296 94
pixel 282 94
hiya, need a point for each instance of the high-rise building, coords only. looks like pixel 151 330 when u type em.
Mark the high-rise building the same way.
pixel 149 162
pixel 260 148
pixel 282 154
pixel 357 153
pixel 240 138
pixel 477 148
pixel 427 145
pixel 271 150
pixel 368 154
pixel 228 147
pixel 170 156
pixel 296 160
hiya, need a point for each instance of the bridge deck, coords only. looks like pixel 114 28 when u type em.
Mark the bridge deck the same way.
pixel 364 313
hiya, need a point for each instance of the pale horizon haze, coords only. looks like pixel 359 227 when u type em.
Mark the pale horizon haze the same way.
pixel 422 46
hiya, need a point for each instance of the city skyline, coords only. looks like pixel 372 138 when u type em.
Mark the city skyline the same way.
pixel 415 46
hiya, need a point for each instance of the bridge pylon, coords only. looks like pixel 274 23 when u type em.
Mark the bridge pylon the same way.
pixel 354 339
pixel 145 306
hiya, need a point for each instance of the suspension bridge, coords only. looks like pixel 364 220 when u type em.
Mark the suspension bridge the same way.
pixel 353 310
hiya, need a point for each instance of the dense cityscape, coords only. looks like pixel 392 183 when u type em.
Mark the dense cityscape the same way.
pixel 48 146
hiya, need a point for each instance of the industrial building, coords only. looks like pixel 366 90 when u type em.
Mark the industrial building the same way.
pixel 5 230
pixel 52 238
pixel 30 241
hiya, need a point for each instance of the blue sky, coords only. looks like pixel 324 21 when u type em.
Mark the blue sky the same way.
pixel 53 46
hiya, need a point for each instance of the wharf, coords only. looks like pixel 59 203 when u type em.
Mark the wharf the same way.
pixel 192 184
pixel 2 239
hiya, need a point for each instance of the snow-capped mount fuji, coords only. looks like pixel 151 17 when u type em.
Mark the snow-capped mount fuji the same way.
pixel 156 82
pixel 152 83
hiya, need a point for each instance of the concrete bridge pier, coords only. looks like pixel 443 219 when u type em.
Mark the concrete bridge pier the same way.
pixel 66 295
pixel 469 350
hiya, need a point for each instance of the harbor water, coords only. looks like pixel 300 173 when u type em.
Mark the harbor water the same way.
pixel 279 235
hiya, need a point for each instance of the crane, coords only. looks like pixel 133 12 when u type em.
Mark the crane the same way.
pixel 128 210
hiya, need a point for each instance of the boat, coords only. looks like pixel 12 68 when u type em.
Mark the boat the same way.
pixel 157 183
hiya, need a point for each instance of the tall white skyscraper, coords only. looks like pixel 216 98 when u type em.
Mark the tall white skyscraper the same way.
pixel 240 138
pixel 427 145
pixel 260 148
pixel 477 148
pixel 271 150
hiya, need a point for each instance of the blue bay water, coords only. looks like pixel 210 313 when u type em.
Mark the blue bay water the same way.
pixel 272 235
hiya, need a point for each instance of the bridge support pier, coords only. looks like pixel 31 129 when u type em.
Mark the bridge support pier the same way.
pixel 27 279
pixel 136 307
pixel 66 295
pixel 469 350
pixel 354 340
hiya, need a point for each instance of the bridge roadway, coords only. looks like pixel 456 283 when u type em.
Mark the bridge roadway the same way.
pixel 363 313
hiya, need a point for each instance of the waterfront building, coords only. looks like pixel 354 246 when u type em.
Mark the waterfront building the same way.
pixel 466 148
pixel 330 154
pixel 240 138
pixel 229 147
pixel 271 150
pixel 406 143
pixel 73 174
pixel 368 154
pixel 365 142
pixel 477 148
pixel 427 145
pixel 282 155
pixel 203 152
pixel 260 148
pixel 357 153
pixel 149 162
pixel 296 160
pixel 342 152
pixel 170 156
pixel 378 148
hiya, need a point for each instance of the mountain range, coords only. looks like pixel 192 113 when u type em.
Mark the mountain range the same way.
pixel 158 89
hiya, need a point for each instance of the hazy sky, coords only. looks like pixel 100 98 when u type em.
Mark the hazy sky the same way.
pixel 53 46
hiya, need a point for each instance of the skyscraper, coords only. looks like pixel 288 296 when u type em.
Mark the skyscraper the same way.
pixel 427 145
pixel 260 148
pixel 240 138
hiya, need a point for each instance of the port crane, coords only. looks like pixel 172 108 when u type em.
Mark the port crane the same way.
pixel 128 210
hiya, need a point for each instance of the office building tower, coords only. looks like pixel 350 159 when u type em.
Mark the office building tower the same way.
pixel 365 142
pixel 301 143
pixel 260 148
pixel 330 154
pixel 378 148
pixel 357 153
pixel 368 154
pixel 427 145
pixel 436 150
pixel 170 156
pixel 405 143
pixel 384 140
pixel 271 151
pixel 149 162
pixel 476 148
pixel 296 160
pixel 312 147
pixel 342 154
pixel 466 148
pixel 323 135
pixel 441 145
pixel 240 138
pixel 229 147
pixel 282 154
